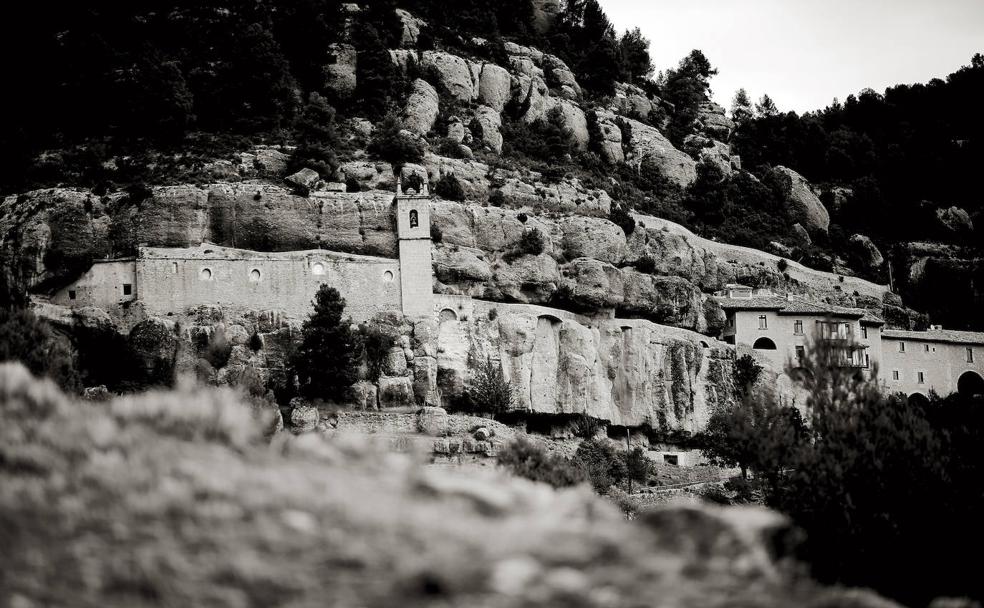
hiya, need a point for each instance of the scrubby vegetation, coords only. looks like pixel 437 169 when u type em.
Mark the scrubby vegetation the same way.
pixel 878 481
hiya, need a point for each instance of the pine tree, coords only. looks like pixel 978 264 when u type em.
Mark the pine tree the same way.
pixel 741 107
pixel 316 137
pixel 635 65
pixel 766 107
pixel 686 88
pixel 325 360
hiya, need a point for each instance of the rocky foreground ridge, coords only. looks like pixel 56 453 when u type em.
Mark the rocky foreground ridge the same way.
pixel 141 502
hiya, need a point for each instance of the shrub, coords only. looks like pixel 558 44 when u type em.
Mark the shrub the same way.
pixel 621 218
pixel 436 235
pixel 782 265
pixel 603 464
pixel 490 392
pixel 526 459
pixel 375 347
pixel 532 242
pixel 255 342
pixel 395 146
pixel 25 338
pixel 218 349
pixel 646 264
pixel 450 188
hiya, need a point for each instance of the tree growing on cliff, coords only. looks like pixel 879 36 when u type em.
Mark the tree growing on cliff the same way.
pixel 490 392
pixel 316 137
pixel 686 87
pixel 325 361
pixel 31 341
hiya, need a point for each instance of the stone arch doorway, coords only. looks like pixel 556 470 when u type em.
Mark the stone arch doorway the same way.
pixel 447 315
pixel 918 399
pixel 764 344
pixel 970 384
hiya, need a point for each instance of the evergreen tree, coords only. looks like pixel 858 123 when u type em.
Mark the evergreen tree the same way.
pixel 741 107
pixel 316 137
pixel 325 360
pixel 391 143
pixel 766 107
pixel 686 88
pixel 378 81
pixel 635 64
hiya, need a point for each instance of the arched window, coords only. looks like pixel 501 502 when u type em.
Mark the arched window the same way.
pixel 205 274
pixel 255 275
pixel 318 269
pixel 414 219
pixel 388 276
pixel 764 344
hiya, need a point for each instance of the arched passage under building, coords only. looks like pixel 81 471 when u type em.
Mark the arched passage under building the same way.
pixel 970 384
pixel 764 344
pixel 918 399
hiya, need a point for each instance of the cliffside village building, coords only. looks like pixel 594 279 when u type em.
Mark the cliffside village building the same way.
pixel 782 330
pixel 777 329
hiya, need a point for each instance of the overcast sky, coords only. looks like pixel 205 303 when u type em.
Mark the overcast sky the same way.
pixel 803 53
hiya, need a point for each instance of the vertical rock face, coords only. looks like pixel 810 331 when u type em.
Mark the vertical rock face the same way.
pixel 627 372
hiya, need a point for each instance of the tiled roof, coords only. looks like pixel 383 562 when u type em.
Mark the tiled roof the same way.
pixel 755 303
pixel 936 335
pixel 796 306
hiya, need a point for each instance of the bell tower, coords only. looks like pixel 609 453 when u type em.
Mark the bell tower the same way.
pixel 416 270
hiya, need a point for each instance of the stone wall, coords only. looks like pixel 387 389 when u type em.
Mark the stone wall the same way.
pixel 102 286
pixel 175 280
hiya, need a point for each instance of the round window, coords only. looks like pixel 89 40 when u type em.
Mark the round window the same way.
pixel 318 268
pixel 254 275
pixel 205 274
pixel 388 276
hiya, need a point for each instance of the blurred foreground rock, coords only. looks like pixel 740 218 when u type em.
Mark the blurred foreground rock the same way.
pixel 176 499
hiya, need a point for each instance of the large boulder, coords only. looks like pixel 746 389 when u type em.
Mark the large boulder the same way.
pixel 410 28
pixel 804 206
pixel 865 253
pixel 955 220
pixel 340 72
pixel 494 86
pixel 423 105
pixel 454 73
pixel 560 76
pixel 713 120
pixel 574 119
pixel 611 137
pixel 649 145
pixel 632 101
pixel 154 344
pixel 486 127
pixel 370 175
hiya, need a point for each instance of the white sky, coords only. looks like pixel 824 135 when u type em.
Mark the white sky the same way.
pixel 803 53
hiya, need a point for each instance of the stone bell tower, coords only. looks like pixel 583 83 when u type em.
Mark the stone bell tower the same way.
pixel 416 271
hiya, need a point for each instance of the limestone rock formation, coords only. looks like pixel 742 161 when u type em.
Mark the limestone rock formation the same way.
pixel 411 27
pixel 305 178
pixel 494 86
pixel 804 206
pixel 649 145
pixel 611 137
pixel 370 175
pixel 713 120
pixel 453 72
pixel 340 71
pixel 573 119
pixel 560 76
pixel 421 109
pixel 627 372
pixel 632 101
pixel 865 252
pixel 955 220
pixel 487 128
